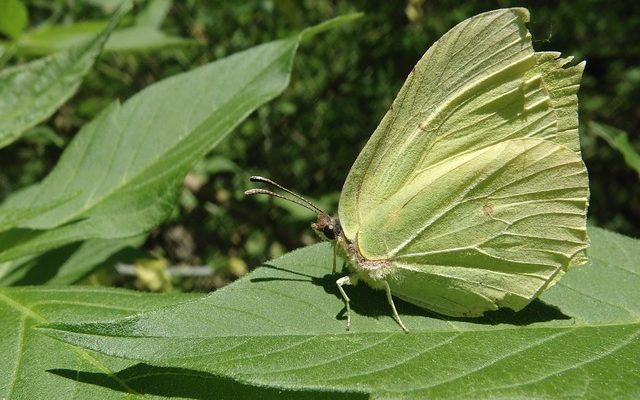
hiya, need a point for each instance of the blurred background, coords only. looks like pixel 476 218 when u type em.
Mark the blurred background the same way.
pixel 343 82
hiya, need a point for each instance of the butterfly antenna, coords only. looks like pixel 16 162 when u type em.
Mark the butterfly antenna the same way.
pixel 300 200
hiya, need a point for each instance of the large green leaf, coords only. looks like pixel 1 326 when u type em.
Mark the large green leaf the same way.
pixel 37 367
pixel 282 326
pixel 31 362
pixel 127 165
pixel 30 93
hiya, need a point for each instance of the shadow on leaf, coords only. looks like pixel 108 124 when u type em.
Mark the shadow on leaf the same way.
pixel 303 277
pixel 536 311
pixel 187 383
pixel 373 303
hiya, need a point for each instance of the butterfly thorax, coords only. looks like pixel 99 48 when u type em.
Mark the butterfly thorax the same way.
pixel 371 271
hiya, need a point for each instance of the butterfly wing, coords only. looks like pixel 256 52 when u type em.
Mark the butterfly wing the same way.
pixel 472 185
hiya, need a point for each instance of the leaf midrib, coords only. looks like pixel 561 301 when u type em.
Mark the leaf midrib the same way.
pixel 60 328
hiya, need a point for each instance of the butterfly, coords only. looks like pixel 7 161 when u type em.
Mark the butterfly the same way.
pixel 471 194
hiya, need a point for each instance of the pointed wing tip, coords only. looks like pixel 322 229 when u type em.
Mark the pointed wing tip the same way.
pixel 522 12
pixel 582 65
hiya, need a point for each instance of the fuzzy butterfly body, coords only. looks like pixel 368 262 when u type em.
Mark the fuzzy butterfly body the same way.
pixel 471 194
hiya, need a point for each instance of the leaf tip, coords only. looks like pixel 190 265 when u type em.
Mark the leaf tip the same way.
pixel 329 24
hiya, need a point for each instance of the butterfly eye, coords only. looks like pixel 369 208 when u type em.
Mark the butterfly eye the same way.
pixel 329 232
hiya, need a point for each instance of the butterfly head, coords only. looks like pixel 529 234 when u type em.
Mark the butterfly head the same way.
pixel 327 227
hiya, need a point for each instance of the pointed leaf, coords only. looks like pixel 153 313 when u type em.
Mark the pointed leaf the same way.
pixel 619 140
pixel 30 93
pixel 280 327
pixel 128 163
pixel 69 264
pixel 144 35
pixel 31 363
pixel 37 367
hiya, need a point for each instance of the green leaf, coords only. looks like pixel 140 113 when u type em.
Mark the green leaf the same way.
pixel 30 93
pixel 144 35
pixel 54 38
pixel 282 326
pixel 128 164
pixel 106 5
pixel 51 38
pixel 32 363
pixel 155 13
pixel 13 18
pixel 44 135
pixel 619 140
pixel 13 217
pixel 143 38
pixel 69 264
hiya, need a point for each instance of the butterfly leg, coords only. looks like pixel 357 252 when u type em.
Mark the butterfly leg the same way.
pixel 335 254
pixel 393 307
pixel 347 280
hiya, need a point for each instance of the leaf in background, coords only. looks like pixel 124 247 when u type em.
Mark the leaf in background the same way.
pixel 278 327
pixel 216 165
pixel 48 39
pixel 143 35
pixel 44 135
pixel 13 18
pixel 12 217
pixel 69 264
pixel 619 140
pixel 105 5
pixel 30 93
pixel 31 362
pixel 128 164
pixel 58 37
pixel 155 13
pixel 143 38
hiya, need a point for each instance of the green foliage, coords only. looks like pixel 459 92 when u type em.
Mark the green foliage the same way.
pixel 619 140
pixel 277 328
pixel 13 17
pixel 33 364
pixel 308 138
pixel 69 264
pixel 143 34
pixel 126 167
pixel 32 92
pixel 278 333
pixel 56 37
